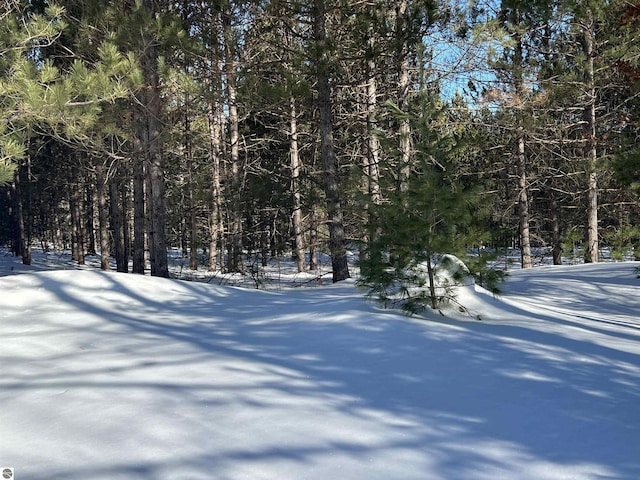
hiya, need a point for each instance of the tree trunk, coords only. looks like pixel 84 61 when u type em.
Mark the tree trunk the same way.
pixel 216 226
pixel 193 247
pixel 592 253
pixel 372 158
pixel 153 153
pixel 373 150
pixel 337 242
pixel 526 260
pixel 75 200
pixel 14 224
pixel 404 129
pixel 235 263
pixel 433 297
pixel 296 217
pixel 89 214
pixel 157 216
pixel 193 218
pixel 23 242
pixel 117 225
pixel 103 215
pixel 523 204
pixel 139 261
pixel 556 237
pixel 214 114
pixel 313 238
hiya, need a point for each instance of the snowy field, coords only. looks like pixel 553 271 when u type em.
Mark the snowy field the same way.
pixel 114 376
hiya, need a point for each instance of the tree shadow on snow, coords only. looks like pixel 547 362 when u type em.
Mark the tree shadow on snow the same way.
pixel 334 387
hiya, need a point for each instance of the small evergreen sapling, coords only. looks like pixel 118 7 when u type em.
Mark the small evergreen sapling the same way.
pixel 405 265
pixel 421 228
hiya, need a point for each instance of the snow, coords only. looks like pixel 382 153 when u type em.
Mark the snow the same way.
pixel 115 376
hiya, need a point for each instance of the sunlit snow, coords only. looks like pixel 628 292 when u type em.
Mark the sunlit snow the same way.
pixel 115 376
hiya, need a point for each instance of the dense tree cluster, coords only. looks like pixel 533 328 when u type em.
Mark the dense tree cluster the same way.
pixel 235 128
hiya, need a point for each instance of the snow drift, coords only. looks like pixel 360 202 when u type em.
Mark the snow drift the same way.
pixel 113 376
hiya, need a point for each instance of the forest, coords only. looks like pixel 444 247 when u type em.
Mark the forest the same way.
pixel 236 129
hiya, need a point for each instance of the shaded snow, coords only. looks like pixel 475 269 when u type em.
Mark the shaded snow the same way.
pixel 113 376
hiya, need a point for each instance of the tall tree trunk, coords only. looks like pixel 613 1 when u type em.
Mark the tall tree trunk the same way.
pixel 235 263
pixel 404 129
pixel 373 150
pixel 216 226
pixel 337 242
pixel 193 218
pixel 156 194
pixel 372 158
pixel 215 115
pixel 296 194
pixel 526 260
pixel 153 151
pixel 588 45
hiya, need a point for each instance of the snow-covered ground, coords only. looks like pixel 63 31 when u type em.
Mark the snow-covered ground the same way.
pixel 115 376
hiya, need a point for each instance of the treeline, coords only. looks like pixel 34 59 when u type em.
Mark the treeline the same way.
pixel 267 127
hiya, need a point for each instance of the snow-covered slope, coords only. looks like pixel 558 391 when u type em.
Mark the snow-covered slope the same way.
pixel 113 376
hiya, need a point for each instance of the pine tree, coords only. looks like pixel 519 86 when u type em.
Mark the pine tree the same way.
pixel 48 95
pixel 21 86
pixel 435 214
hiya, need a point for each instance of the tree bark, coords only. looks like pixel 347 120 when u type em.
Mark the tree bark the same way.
pixel 404 129
pixel 153 153
pixel 296 217
pixel 157 208
pixel 337 242
pixel 215 117
pixel 313 238
pixel 235 263
pixel 193 218
pixel 523 204
pixel 75 200
pixel 118 225
pixel 216 226
pixel 139 218
pixel 526 260
pixel 89 218
pixel 372 157
pixel 22 241
pixel 588 45
pixel 556 237
pixel 103 216
pixel 373 147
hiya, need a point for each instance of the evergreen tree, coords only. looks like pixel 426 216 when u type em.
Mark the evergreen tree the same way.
pixel 22 87
pixel 46 94
pixel 434 215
